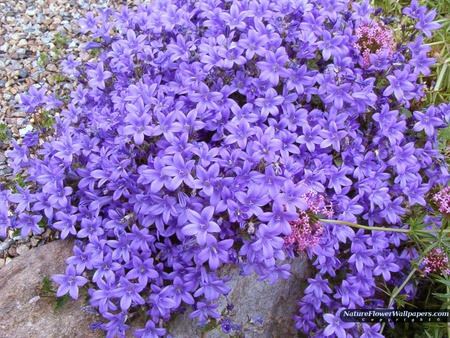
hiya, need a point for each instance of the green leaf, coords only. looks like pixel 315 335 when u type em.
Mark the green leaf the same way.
pixel 47 287
pixel 209 326
pixel 61 301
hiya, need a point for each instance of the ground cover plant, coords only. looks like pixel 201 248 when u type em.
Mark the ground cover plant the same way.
pixel 241 132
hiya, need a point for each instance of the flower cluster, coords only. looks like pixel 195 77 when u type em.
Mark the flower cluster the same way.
pixel 306 230
pixel 193 142
pixel 374 38
pixel 436 261
pixel 442 198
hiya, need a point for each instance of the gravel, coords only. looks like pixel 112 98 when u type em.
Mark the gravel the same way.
pixel 35 36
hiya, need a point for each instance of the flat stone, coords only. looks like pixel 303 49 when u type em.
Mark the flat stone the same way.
pixel 7 243
pixel 6 171
pixel 22 249
pixel 22 43
pixel 20 281
pixel 31 12
pixel 24 131
pixel 23 73
pixel 46 39
pixel 276 304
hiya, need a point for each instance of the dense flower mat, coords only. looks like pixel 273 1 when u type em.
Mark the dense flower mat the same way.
pixel 234 132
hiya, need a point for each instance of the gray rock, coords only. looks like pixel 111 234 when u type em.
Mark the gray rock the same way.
pixel 6 244
pixel 23 314
pixel 23 73
pixel 6 171
pixel 276 304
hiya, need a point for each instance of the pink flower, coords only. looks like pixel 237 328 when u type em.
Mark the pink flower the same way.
pixel 436 262
pixel 442 198
pixel 373 38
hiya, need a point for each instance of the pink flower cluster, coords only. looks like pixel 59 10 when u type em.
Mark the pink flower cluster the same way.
pixel 442 198
pixel 436 262
pixel 373 38
pixel 307 229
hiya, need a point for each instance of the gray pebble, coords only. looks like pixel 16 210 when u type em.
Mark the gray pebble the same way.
pixel 6 171
pixel 6 244
pixel 23 73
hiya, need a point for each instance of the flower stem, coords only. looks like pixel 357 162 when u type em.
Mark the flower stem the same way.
pixel 366 227
pixel 396 292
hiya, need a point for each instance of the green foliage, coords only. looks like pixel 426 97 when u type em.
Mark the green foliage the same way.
pixel 46 120
pixel 43 60
pixel 438 83
pixel 3 132
pixel 209 326
pixel 61 41
pixel 61 301
pixel 47 290
pixel 59 78
pixel 95 52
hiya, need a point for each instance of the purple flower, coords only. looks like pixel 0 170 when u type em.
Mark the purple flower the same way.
pixel 330 45
pixel 399 84
pixel 70 66
pixel 180 292
pixel 205 99
pixel 154 176
pixel 239 133
pixel 268 242
pixel 161 301
pixel 318 287
pixel 150 331
pixel 310 137
pixel 253 43
pixel 269 103
pixel 236 17
pixel 332 136
pixel 204 311
pixel 371 331
pixel 335 325
pixel 215 253
pixel 426 23
pixel 98 76
pixel 88 23
pixel 33 99
pixel 385 266
pixel 29 223
pixel 103 295
pixel 273 67
pixel 81 260
pixel 362 259
pixel 393 210
pixel 180 172
pixel 66 224
pixel 414 10
pixel 139 127
pixel 128 293
pixel 427 121
pixel 349 294
pixel 69 283
pixel 201 226
pixel 105 267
